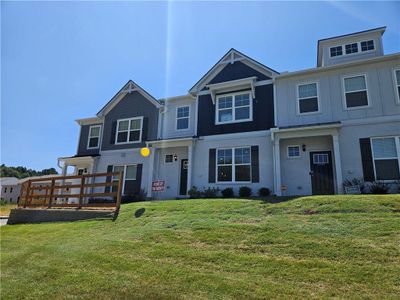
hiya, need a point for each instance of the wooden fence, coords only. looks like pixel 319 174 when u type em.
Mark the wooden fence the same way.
pixel 52 192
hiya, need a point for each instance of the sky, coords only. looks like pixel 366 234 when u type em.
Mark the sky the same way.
pixel 61 61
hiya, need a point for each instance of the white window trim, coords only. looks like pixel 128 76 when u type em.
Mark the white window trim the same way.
pixel 176 118
pixel 165 159
pixel 124 174
pixel 396 90
pixel 298 99
pixel 358 45
pixel 397 142
pixel 233 166
pixel 233 108
pixel 129 125
pixel 344 91
pixel 293 157
pixel 98 142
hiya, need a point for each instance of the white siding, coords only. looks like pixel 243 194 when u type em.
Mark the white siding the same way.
pixel 168 127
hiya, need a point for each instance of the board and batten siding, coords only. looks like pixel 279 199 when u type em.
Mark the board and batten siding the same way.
pixel 83 141
pixel 132 105
pixel 380 87
pixel 263 114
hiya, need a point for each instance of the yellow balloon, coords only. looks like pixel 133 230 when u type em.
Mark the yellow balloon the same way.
pixel 145 151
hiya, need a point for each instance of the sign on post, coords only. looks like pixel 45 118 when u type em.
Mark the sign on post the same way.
pixel 158 186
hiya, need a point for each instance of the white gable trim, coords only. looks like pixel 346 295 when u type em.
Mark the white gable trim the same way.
pixel 235 84
pixel 128 88
pixel 229 58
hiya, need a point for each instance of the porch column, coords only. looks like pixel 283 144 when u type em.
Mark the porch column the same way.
pixel 150 175
pixel 338 165
pixel 277 167
pixel 190 168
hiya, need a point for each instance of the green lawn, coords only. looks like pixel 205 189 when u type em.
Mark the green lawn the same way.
pixel 310 247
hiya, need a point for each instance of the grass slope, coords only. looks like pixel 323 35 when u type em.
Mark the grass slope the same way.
pixel 6 208
pixel 310 247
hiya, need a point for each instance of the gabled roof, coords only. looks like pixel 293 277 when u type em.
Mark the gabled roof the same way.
pixel 129 87
pixel 230 57
pixel 380 30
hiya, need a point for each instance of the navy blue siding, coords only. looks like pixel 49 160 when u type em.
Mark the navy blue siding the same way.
pixel 263 114
pixel 237 70
pixel 83 142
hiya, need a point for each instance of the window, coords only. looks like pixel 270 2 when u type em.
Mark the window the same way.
pixel 320 159
pixel 82 171
pixel 386 156
pixel 11 189
pixel 233 108
pixel 169 158
pixel 293 151
pixel 94 137
pixel 182 117
pixel 129 173
pixel 129 130
pixel 336 51
pixel 397 83
pixel 355 91
pixel 5 190
pixel 367 45
pixel 308 98
pixel 234 165
pixel 351 48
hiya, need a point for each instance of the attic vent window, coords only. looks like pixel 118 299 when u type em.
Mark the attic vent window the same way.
pixel 367 45
pixel 351 48
pixel 336 51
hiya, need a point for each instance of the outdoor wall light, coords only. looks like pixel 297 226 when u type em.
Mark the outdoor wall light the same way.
pixel 303 147
pixel 175 157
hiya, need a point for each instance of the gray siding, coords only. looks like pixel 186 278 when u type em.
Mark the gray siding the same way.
pixel 83 141
pixel 132 105
pixel 381 95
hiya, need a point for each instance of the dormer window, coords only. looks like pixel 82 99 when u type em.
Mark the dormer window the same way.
pixel 232 108
pixel 351 48
pixel 367 45
pixel 336 51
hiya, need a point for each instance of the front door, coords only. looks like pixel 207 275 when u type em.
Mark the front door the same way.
pixel 183 181
pixel 321 173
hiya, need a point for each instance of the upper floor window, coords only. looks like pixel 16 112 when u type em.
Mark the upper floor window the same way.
pixel 397 83
pixel 336 51
pixel 355 90
pixel 232 108
pixel 94 137
pixel 386 156
pixel 308 98
pixel 182 117
pixel 129 130
pixel 351 48
pixel 367 45
pixel 234 165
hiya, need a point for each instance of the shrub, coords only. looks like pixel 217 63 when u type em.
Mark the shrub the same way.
pixel 378 187
pixel 227 193
pixel 244 191
pixel 141 196
pixel 194 192
pixel 264 192
pixel 210 192
pixel 355 182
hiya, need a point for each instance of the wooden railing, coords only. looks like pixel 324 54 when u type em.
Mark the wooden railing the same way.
pixel 53 191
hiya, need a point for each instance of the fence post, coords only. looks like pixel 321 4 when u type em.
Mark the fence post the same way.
pixel 81 192
pixel 119 192
pixel 51 192
pixel 27 193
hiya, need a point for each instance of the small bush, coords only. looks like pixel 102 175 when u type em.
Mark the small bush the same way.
pixel 227 193
pixel 210 192
pixel 378 187
pixel 244 191
pixel 264 192
pixel 194 193
pixel 355 182
pixel 141 196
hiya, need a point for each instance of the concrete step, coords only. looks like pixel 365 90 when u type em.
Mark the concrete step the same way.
pixel 32 215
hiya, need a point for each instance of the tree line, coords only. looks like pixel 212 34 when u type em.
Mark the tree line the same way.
pixel 22 172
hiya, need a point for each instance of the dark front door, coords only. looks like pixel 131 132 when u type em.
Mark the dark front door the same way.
pixel 321 173
pixel 184 174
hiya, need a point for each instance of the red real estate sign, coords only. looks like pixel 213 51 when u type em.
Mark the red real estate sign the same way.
pixel 158 186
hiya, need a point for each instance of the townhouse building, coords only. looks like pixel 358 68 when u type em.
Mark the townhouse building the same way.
pixel 245 124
